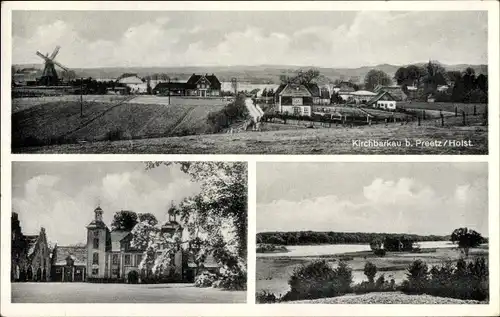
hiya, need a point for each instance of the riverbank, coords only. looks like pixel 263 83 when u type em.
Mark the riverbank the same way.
pixel 273 272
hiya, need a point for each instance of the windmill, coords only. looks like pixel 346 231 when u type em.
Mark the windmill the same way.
pixel 49 75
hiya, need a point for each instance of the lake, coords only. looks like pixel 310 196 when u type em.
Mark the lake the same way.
pixel 330 249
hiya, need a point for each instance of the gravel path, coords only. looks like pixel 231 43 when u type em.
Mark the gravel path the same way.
pixel 387 298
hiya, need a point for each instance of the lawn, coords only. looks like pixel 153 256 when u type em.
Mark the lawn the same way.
pixel 121 293
pixel 134 117
pixel 273 272
pixel 334 140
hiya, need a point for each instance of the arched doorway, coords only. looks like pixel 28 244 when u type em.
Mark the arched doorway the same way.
pixel 44 275
pixel 133 277
pixel 29 274
pixel 39 275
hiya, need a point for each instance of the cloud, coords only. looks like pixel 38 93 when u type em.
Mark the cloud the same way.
pixel 370 38
pixel 404 205
pixel 45 202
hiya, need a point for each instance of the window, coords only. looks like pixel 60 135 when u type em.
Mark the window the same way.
pixel 138 259
pixel 58 270
pixel 115 272
pixel 96 233
pixel 95 271
pixel 127 259
pixel 115 259
pixel 95 258
pixel 96 243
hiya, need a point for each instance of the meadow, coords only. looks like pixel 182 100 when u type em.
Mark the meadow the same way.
pixel 43 120
pixel 334 140
pixel 273 272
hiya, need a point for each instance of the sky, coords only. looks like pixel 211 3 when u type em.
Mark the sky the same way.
pixel 62 196
pixel 225 38
pixel 420 198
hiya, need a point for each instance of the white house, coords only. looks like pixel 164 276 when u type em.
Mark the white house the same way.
pixel 296 99
pixel 384 100
pixel 135 83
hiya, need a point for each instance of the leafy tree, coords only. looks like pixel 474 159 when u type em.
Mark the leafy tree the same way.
pixel 216 219
pixel 466 239
pixel 149 218
pixel 264 92
pixel 336 99
pixel 370 271
pixel 301 77
pixel 376 77
pixel 418 275
pixel 124 220
pixel 435 75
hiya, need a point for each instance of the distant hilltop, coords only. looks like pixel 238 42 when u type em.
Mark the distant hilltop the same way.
pixel 264 74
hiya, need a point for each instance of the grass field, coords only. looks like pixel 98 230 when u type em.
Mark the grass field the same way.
pixel 137 117
pixel 121 293
pixel 273 272
pixel 444 106
pixel 335 140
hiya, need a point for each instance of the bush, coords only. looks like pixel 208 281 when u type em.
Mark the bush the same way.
pixel 370 271
pixel 380 252
pixel 318 280
pixel 265 297
pixel 205 279
pixel 463 281
pixel 234 279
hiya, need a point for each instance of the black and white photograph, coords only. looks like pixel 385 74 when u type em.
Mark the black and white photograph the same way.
pixel 129 232
pixel 372 233
pixel 250 82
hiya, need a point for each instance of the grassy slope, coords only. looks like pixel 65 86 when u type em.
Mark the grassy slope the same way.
pixel 336 140
pixel 62 118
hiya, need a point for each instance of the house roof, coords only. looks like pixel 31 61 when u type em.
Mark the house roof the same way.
pixel 214 81
pixel 131 79
pixel 116 239
pixel 379 96
pixel 174 86
pixel 78 253
pixel 363 93
pixel 31 241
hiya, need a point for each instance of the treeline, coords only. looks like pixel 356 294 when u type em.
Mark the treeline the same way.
pixel 315 237
pixel 90 86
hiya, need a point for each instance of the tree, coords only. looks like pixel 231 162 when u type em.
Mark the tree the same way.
pixel 376 77
pixel 124 220
pixel 264 92
pixel 435 75
pixel 466 239
pixel 301 77
pixel 216 218
pixel 370 271
pixel 149 218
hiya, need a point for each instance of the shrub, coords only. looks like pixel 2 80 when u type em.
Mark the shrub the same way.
pixel 114 135
pixel 265 297
pixel 234 279
pixel 380 252
pixel 205 279
pixel 380 283
pixel 418 276
pixel 370 271
pixel 318 279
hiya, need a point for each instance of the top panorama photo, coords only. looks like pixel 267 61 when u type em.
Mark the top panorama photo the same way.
pixel 250 82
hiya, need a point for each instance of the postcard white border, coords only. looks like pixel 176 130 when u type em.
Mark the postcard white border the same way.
pixel 250 308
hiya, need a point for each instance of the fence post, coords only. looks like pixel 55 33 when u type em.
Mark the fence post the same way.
pixel 475 110
pixel 423 115
pixel 456 111
pixel 418 121
pixel 463 117
pixel 442 119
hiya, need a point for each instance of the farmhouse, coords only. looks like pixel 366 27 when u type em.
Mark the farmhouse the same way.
pixel 134 82
pixel 297 99
pixel 107 255
pixel 197 85
pixel 384 100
